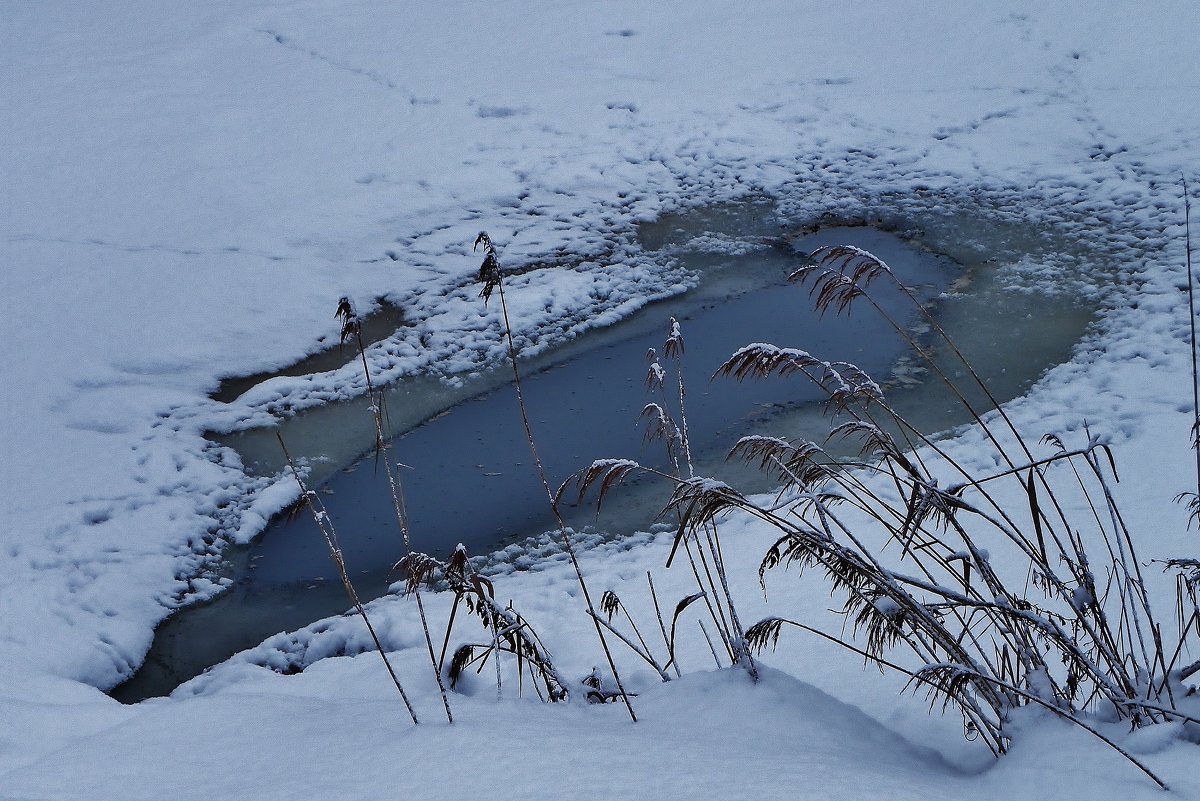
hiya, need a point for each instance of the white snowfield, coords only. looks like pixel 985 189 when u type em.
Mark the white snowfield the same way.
pixel 188 189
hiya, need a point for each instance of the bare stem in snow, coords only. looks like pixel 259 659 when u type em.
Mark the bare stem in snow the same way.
pixel 491 277
pixel 325 524
pixel 1191 287
pixel 351 326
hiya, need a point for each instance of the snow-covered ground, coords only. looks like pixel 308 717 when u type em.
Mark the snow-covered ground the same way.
pixel 188 189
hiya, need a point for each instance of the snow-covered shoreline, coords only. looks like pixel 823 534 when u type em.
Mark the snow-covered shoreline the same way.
pixel 188 191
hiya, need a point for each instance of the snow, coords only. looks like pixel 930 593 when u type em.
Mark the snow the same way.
pixel 188 190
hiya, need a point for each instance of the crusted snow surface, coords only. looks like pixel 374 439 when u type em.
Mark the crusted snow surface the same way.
pixel 189 189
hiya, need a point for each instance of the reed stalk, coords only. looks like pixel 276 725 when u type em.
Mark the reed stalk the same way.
pixel 492 278
pixel 325 524
pixel 352 327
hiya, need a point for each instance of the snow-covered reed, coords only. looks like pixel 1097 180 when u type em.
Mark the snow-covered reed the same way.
pixel 991 589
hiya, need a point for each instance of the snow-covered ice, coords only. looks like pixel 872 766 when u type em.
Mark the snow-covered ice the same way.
pixel 189 189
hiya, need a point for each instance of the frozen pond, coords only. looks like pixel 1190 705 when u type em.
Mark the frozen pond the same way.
pixel 469 477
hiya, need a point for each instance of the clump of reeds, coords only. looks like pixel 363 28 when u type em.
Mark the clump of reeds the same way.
pixel 508 631
pixel 1072 629
pixel 666 421
pixel 611 605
